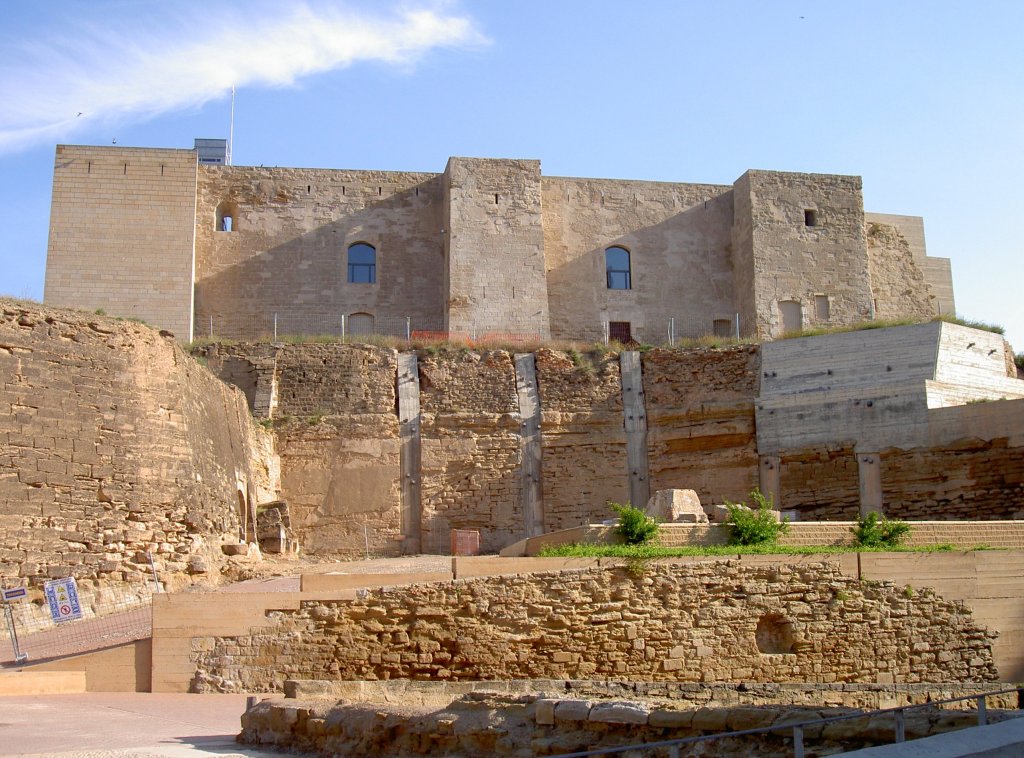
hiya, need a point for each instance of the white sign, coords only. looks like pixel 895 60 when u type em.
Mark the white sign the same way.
pixel 62 597
pixel 15 593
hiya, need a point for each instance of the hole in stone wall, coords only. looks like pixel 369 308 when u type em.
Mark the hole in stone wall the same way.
pixel 227 217
pixel 774 634
pixel 810 217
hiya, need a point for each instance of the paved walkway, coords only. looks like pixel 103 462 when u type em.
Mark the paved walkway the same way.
pixel 123 725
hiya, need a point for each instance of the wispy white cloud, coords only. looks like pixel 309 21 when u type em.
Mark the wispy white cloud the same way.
pixel 58 86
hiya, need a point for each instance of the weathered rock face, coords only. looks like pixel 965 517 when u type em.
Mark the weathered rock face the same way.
pixel 113 444
pixel 695 622
pixel 898 285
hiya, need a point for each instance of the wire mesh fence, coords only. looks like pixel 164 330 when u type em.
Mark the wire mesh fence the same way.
pixel 109 616
pixel 357 327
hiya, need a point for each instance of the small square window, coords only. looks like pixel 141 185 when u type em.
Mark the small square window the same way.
pixel 810 217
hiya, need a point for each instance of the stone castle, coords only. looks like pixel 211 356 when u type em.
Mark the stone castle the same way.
pixel 178 239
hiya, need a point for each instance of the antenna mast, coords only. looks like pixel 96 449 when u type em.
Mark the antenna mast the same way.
pixel 231 128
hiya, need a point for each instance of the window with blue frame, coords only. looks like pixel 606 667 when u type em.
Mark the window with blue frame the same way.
pixel 362 263
pixel 616 263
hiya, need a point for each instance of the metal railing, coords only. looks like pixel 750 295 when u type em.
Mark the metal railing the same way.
pixel 798 729
pixel 279 325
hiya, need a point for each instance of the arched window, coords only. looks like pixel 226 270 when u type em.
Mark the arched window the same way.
pixel 362 263
pixel 227 217
pixel 616 265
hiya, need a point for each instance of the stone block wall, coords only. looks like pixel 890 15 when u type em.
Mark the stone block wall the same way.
pixel 287 252
pixel 795 260
pixel 806 408
pixel 113 444
pixel 122 233
pixel 698 622
pixel 676 234
pixel 496 277
pixel 337 437
pixel 584 443
pixel 470 449
pixel 700 417
pixel 820 483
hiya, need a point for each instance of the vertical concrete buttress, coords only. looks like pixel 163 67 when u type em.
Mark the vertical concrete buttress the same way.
pixel 635 419
pixel 869 474
pixel 530 436
pixel 408 386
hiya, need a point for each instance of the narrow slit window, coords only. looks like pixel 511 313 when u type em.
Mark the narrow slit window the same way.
pixel 617 268
pixel 362 264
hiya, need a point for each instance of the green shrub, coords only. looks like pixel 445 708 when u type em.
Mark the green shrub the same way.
pixel 635 526
pixel 756 525
pixel 875 530
pixel 1018 360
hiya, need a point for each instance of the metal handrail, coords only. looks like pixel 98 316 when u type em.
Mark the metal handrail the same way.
pixel 798 728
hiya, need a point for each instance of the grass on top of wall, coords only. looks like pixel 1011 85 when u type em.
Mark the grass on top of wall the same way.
pixel 454 345
pixel 647 552
pixel 886 323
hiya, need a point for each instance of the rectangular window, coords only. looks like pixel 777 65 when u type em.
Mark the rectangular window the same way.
pixel 810 217
pixel 821 308
pixel 620 331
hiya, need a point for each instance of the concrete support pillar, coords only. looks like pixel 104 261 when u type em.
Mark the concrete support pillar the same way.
pixel 634 412
pixel 869 473
pixel 408 385
pixel 529 414
pixel 768 479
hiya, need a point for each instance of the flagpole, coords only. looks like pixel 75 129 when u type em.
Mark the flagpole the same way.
pixel 231 129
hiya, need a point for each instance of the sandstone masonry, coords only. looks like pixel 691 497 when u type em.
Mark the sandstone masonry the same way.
pixel 486 246
pixel 714 622
pixel 115 444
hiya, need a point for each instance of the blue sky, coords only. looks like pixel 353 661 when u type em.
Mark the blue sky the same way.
pixel 924 100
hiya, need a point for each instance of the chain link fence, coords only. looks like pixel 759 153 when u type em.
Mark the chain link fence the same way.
pixel 110 616
pixel 358 327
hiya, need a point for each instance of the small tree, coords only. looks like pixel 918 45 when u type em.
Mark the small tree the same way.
pixel 754 526
pixel 635 526
pixel 875 530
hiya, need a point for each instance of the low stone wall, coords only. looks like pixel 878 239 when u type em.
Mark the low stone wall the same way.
pixel 490 723
pixel 722 621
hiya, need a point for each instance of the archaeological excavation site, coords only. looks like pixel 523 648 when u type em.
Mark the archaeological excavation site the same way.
pixel 361 535
pixel 374 448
